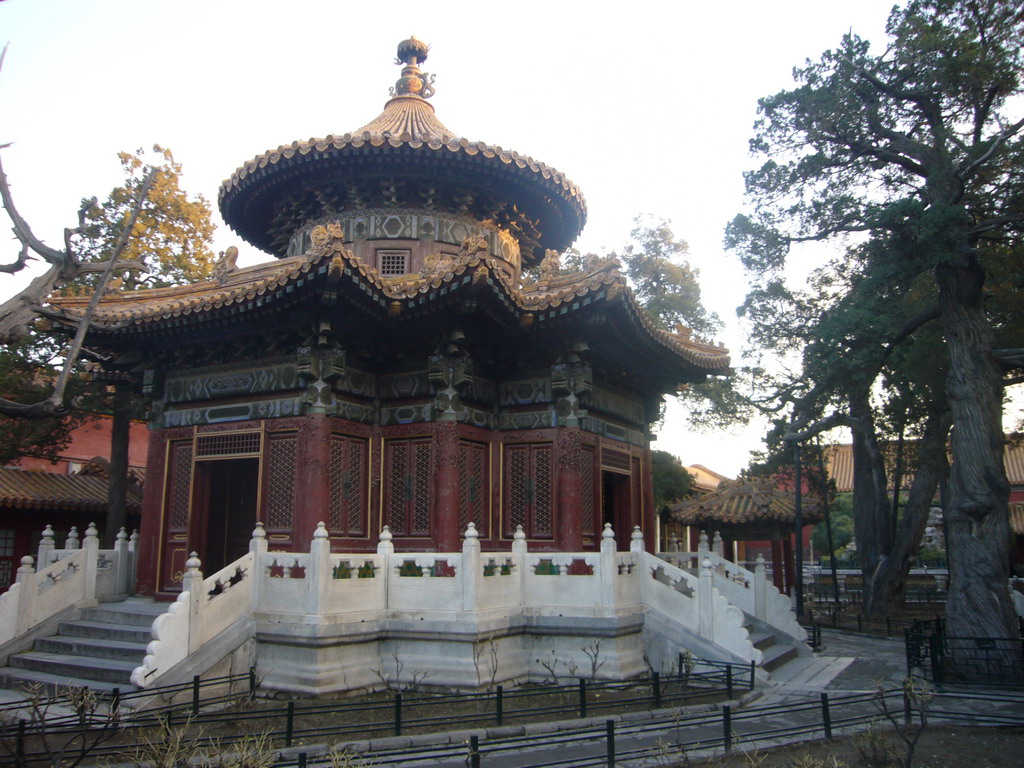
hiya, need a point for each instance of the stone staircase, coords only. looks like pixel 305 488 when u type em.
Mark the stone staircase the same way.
pixel 98 651
pixel 777 650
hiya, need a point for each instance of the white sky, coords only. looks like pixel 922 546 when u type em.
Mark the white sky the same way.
pixel 648 106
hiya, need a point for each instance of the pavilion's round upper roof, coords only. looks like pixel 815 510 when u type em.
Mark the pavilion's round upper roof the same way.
pixel 402 158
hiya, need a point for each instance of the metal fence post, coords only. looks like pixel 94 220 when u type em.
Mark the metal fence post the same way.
pixel 474 751
pixel 751 676
pixel 398 714
pixel 728 681
pixel 289 728
pixel 583 697
pixel 826 716
pixel 656 688
pixel 727 727
pixel 609 729
pixel 195 694
pixel 302 760
pixel 252 682
pixel 500 705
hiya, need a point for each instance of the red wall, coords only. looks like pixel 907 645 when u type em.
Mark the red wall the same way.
pixel 90 440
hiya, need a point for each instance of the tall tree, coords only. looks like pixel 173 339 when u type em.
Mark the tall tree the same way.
pixel 171 233
pixel 916 145
pixel 665 283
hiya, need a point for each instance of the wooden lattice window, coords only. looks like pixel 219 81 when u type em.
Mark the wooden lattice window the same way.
pixel 473 489
pixel 228 444
pixel 179 485
pixel 392 262
pixel 529 489
pixel 588 488
pixel 348 475
pixel 408 485
pixel 279 482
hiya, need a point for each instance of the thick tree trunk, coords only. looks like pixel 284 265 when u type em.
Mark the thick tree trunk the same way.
pixel 978 526
pixel 870 500
pixel 890 583
pixel 117 501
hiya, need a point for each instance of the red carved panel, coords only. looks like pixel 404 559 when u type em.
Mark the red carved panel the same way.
pixel 529 489
pixel 177 504
pixel 408 485
pixel 588 491
pixel 348 481
pixel 279 482
pixel 473 490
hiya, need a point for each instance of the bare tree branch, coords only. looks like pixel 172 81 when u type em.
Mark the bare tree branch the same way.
pixel 54 404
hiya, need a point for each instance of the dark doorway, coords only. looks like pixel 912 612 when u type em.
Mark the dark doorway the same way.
pixel 226 496
pixel 615 507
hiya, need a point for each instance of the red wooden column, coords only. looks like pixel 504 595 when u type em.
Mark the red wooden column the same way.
pixel 649 517
pixel 787 551
pixel 568 524
pixel 778 574
pixel 446 487
pixel 312 478
pixel 148 546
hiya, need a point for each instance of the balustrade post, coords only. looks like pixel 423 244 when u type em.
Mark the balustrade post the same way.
pixel 121 560
pixel 705 599
pixel 386 549
pixel 760 589
pixel 258 548
pixel 91 545
pixel 46 547
pixel 133 548
pixel 519 549
pixel 718 545
pixel 25 594
pixel 318 575
pixel 72 540
pixel 702 548
pixel 608 566
pixel 192 583
pixel 471 573
pixel 636 541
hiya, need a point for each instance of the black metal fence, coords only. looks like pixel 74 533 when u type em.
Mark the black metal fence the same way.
pixel 887 627
pixel 387 714
pixel 674 738
pixel 945 660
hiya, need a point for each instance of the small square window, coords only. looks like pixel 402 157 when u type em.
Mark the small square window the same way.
pixel 392 262
pixel 6 542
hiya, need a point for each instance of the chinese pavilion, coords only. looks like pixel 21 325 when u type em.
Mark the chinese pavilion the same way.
pixel 394 365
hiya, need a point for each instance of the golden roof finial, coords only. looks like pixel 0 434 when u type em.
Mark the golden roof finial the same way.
pixel 413 82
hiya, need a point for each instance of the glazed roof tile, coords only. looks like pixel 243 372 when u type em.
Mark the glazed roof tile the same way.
pixel 27 489
pixel 330 260
pixel 737 502
pixel 839 463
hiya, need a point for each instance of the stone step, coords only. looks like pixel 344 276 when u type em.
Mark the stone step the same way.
pixel 761 640
pixel 51 684
pixel 94 647
pixel 82 667
pixel 99 630
pixel 133 611
pixel 777 655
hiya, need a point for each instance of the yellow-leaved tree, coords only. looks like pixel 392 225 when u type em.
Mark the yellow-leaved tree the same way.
pixel 172 231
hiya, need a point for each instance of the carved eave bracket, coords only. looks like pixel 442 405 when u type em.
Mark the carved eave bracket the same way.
pixel 321 365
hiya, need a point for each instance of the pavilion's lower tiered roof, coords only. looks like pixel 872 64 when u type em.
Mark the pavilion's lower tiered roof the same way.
pixel 330 277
